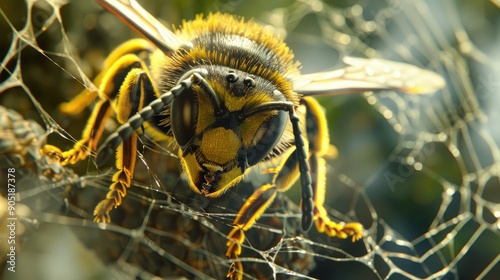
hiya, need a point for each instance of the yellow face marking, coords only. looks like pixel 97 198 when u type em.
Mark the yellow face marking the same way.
pixel 248 128
pixel 227 180
pixel 193 169
pixel 220 145
pixel 236 103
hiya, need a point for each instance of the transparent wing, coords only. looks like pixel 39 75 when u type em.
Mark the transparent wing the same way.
pixel 130 12
pixel 367 75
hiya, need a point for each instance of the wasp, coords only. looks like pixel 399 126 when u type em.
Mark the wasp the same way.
pixel 229 97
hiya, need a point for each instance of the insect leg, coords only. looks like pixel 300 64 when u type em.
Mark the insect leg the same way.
pixel 253 208
pixel 264 196
pixel 317 134
pixel 121 180
pixel 116 70
pixel 139 47
pixel 136 88
pixel 299 163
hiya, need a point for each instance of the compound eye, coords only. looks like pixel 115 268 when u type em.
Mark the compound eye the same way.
pixel 183 115
pixel 268 136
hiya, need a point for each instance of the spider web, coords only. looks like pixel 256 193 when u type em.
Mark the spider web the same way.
pixel 421 173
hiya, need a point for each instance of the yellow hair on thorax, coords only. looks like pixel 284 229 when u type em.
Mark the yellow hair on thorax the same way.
pixel 220 23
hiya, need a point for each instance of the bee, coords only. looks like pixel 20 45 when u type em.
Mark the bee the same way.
pixel 229 97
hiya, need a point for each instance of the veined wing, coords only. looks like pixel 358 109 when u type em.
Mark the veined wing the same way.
pixel 370 75
pixel 130 12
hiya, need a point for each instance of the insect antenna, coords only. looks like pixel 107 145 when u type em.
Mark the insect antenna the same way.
pixel 306 191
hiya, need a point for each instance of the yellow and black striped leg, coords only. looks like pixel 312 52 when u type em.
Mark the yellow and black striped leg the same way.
pixel 82 100
pixel 260 200
pixel 320 218
pixel 317 135
pixel 139 47
pixel 117 66
pixel 138 87
pixel 253 208
pixel 134 92
pixel 121 180
pixel 90 136
pixel 301 163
